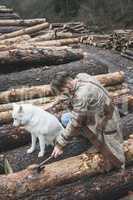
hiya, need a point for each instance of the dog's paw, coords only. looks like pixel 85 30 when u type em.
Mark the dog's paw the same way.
pixel 41 154
pixel 30 150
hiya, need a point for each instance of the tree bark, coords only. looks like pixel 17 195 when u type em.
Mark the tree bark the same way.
pixel 25 93
pixel 11 138
pixel 60 42
pixel 102 187
pixel 22 22
pixel 19 59
pixel 24 31
pixel 9 29
pixel 44 90
pixel 52 35
pixel 6 10
pixel 36 101
pixel 19 159
pixel 4 16
pixel 27 181
pixel 15 40
pixel 111 80
pixel 45 74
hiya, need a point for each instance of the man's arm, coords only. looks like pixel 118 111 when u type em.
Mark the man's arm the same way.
pixel 78 118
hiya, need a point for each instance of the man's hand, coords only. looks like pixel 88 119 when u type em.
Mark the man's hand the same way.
pixel 56 152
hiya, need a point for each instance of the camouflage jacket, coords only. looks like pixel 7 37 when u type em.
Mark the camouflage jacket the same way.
pixel 92 108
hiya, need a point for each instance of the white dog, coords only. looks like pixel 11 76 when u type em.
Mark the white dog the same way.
pixel 39 123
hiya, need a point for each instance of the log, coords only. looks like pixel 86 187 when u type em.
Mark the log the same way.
pixel 24 31
pixel 9 29
pixel 25 46
pixel 19 159
pixel 51 35
pixel 15 40
pixel 6 10
pixel 36 101
pixel 9 16
pixel 44 90
pixel 22 22
pixel 60 42
pixel 19 59
pixel 107 186
pixel 25 182
pixel 55 43
pixel 45 74
pixel 111 80
pixel 117 87
pixel 25 93
pixel 118 93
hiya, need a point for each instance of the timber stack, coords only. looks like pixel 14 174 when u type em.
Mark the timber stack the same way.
pixel 7 14
pixel 119 40
pixel 31 52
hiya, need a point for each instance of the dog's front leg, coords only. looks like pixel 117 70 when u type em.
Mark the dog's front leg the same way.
pixel 33 144
pixel 42 145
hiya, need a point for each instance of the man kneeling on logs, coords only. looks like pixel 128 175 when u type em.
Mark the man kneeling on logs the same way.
pixel 93 112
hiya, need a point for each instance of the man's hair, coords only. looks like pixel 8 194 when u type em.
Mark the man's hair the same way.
pixel 59 80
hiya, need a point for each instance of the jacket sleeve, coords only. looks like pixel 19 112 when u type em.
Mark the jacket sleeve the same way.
pixel 78 117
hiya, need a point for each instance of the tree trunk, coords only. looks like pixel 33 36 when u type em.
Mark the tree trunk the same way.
pixel 4 16
pixel 22 22
pixel 44 90
pixel 25 46
pixel 45 74
pixel 24 31
pixel 52 35
pixel 107 186
pixel 19 59
pixel 36 101
pixel 6 10
pixel 108 80
pixel 15 40
pixel 19 159
pixel 27 181
pixel 25 93
pixel 60 42
pixel 9 29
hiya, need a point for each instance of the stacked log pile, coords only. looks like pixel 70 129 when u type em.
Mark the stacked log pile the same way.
pixel 47 49
pixel 5 14
pixel 8 13
pixel 19 51
pixel 15 185
pixel 118 40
